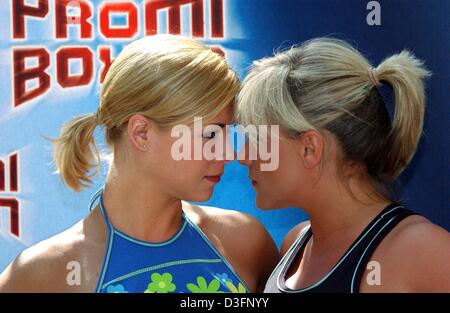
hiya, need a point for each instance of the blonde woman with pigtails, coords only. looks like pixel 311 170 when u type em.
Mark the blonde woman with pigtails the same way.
pixel 339 154
pixel 140 235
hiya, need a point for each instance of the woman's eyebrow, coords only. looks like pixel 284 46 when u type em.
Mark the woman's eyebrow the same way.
pixel 221 125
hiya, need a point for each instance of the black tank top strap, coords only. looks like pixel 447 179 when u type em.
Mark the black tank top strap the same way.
pixel 273 283
pixel 374 238
pixel 288 257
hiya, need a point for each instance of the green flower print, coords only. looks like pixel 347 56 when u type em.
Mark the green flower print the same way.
pixel 240 288
pixel 203 287
pixel 161 283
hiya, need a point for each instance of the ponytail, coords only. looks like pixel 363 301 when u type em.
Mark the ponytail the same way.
pixel 405 74
pixel 75 152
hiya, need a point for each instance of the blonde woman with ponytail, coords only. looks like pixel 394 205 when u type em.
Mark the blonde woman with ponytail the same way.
pixel 339 154
pixel 140 236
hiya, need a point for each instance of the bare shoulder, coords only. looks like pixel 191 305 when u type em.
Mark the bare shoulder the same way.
pixel 292 235
pixel 241 238
pixel 417 235
pixel 233 225
pixel 40 267
pixel 45 266
pixel 423 250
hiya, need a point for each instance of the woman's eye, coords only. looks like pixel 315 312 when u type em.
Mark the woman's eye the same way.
pixel 210 135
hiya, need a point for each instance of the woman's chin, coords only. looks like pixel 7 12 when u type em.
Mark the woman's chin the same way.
pixel 263 204
pixel 201 196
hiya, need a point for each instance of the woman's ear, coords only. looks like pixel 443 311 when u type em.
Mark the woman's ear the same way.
pixel 139 131
pixel 311 145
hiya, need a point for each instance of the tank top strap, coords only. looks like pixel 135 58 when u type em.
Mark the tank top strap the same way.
pixel 94 198
pixel 272 284
pixel 98 196
pixel 363 255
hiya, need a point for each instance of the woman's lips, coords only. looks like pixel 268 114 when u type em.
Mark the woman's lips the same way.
pixel 214 179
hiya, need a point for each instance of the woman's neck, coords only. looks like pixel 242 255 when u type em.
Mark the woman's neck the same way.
pixel 140 209
pixel 339 216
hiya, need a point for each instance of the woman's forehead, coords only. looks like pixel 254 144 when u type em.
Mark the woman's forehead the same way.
pixel 226 116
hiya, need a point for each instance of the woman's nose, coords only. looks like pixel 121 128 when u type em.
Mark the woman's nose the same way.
pixel 243 156
pixel 230 155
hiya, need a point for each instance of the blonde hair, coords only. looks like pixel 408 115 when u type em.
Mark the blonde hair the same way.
pixel 326 84
pixel 169 79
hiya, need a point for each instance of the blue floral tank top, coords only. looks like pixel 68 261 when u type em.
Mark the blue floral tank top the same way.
pixel 186 263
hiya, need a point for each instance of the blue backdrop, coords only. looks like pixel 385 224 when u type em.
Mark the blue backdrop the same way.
pixel 34 204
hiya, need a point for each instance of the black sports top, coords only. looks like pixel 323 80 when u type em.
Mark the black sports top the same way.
pixel 345 276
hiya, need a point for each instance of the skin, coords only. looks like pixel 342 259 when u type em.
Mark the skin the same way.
pixel 142 197
pixel 413 257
